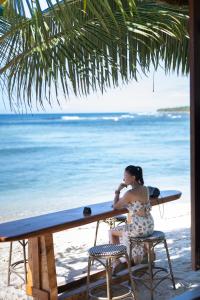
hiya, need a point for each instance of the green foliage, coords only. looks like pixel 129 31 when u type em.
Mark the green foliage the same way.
pixel 83 46
pixel 175 109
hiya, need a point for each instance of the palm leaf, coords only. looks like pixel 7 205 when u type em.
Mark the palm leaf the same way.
pixel 83 46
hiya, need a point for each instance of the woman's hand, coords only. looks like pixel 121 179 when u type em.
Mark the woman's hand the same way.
pixel 121 186
pixel 117 193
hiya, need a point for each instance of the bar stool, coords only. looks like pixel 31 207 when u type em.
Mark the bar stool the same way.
pixel 152 241
pixel 104 255
pixel 12 267
pixel 111 222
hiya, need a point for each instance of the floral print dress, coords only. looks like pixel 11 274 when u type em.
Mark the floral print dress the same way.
pixel 140 226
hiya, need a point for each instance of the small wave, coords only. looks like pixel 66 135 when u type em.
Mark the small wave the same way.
pixel 127 117
pixel 110 118
pixel 174 116
pixel 147 114
pixel 115 118
pixel 71 118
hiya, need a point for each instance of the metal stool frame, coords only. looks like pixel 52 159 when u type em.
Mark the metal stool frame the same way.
pixel 152 243
pixel 111 222
pixel 108 268
pixel 12 266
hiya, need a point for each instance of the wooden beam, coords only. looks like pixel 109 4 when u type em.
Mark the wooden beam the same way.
pixel 194 7
pixel 41 279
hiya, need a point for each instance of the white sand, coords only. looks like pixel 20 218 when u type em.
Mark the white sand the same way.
pixel 71 254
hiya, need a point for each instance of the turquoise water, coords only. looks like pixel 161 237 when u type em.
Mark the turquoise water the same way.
pixel 52 162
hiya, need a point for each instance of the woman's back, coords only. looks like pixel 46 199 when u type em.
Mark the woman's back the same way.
pixel 141 194
pixel 139 202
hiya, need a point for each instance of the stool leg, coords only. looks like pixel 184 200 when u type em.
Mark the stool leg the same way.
pixel 112 223
pixel 169 263
pixel 96 232
pixel 9 262
pixel 108 278
pixel 88 275
pixel 130 250
pixel 24 255
pixel 150 269
pixel 133 287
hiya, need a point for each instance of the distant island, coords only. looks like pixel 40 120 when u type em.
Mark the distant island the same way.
pixel 175 109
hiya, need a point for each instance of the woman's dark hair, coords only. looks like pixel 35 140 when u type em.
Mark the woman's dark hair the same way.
pixel 137 172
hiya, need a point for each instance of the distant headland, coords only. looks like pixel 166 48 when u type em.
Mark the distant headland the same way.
pixel 180 109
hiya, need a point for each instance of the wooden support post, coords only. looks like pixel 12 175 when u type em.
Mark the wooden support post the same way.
pixel 195 129
pixel 41 281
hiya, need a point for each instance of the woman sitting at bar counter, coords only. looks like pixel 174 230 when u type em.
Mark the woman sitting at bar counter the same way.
pixel 140 220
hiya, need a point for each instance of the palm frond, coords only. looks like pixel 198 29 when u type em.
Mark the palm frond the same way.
pixel 82 46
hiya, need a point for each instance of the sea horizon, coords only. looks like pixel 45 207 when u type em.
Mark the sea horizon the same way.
pixel 150 111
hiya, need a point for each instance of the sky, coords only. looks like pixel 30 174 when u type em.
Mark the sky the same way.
pixel 169 91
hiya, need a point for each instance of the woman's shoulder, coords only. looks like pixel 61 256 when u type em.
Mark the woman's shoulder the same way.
pixel 140 190
pixel 139 195
pixel 128 196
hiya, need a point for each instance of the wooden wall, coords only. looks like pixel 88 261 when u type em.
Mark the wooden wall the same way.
pixel 195 129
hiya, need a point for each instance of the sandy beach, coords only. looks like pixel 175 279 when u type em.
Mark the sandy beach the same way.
pixel 71 253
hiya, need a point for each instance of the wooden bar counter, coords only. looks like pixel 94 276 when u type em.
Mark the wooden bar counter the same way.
pixel 42 283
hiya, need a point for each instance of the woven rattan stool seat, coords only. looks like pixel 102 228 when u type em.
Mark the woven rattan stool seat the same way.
pixel 105 254
pixel 157 235
pixel 107 250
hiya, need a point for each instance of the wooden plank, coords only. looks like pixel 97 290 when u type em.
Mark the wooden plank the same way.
pixel 62 220
pixel 79 291
pixel 39 294
pixel 41 281
pixel 48 266
pixel 195 129
pixel 78 283
pixel 73 286
pixel 33 276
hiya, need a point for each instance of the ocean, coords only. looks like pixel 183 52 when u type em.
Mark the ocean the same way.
pixel 51 162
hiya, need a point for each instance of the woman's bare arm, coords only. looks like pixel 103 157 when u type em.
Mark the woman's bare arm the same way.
pixel 121 202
